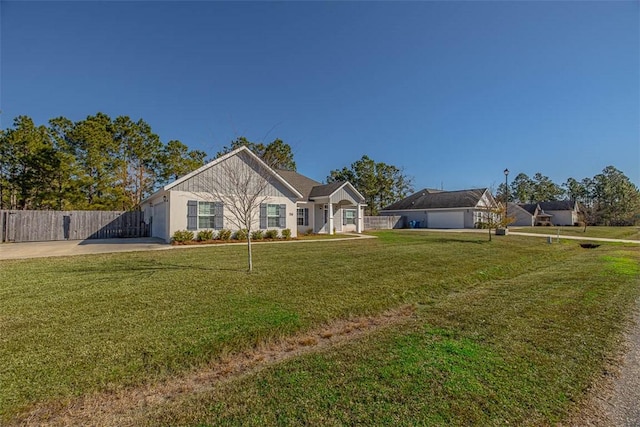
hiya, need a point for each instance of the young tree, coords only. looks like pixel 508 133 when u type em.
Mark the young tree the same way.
pixel 495 217
pixel 241 184
pixel 492 211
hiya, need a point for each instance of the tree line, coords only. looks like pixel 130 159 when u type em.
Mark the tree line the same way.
pixel 98 163
pixel 101 163
pixel 608 198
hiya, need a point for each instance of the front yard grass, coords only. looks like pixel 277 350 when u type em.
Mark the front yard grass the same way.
pixel 506 331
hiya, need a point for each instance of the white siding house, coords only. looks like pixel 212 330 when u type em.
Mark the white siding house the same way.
pixel 563 212
pixel 287 200
pixel 429 208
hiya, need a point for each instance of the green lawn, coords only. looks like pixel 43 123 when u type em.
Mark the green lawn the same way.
pixel 505 331
pixel 627 233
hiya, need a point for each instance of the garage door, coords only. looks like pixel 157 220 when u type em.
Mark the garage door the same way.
pixel 445 220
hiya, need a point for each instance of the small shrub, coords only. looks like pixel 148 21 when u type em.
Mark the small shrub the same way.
pixel 286 234
pixel 224 234
pixel 257 235
pixel 309 232
pixel 204 235
pixel 271 234
pixel 241 234
pixel 182 236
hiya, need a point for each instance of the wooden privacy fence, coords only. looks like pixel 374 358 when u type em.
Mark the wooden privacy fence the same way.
pixel 383 222
pixel 38 226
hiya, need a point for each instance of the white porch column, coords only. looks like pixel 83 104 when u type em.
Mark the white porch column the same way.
pixel 359 218
pixel 330 208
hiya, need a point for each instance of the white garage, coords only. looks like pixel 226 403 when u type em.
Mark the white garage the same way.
pixel 445 219
pixel 429 208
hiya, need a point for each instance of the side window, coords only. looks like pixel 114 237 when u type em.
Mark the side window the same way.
pixel 206 215
pixel 303 216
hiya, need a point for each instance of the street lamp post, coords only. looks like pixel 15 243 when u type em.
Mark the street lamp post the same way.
pixel 506 197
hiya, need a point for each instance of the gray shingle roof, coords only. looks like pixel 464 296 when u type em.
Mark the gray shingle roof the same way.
pixel 560 205
pixel 529 207
pixel 300 182
pixel 428 199
pixel 308 187
pixel 326 189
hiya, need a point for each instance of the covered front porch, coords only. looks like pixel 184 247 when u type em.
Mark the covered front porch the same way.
pixel 339 210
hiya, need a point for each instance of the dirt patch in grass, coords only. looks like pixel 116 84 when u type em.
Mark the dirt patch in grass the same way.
pixel 126 406
pixel 613 399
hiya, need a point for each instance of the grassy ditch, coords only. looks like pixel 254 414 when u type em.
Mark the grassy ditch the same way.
pixel 511 330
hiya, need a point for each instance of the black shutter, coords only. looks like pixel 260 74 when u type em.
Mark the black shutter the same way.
pixel 192 215
pixel 283 216
pixel 306 216
pixel 218 218
pixel 263 216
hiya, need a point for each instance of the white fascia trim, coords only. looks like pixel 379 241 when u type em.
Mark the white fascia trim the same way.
pixel 225 157
pixel 350 186
pixel 152 196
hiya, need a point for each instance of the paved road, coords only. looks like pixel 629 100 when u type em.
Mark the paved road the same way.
pixel 518 233
pixel 590 239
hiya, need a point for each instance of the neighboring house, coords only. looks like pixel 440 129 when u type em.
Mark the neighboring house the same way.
pixel 521 216
pixel 444 209
pixel 528 214
pixel 290 200
pixel 563 212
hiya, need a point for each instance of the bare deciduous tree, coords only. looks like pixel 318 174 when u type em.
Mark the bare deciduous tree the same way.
pixel 494 217
pixel 240 183
pixel 492 213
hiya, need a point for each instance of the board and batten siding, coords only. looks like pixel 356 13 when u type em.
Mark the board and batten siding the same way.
pixel 203 181
pixel 344 193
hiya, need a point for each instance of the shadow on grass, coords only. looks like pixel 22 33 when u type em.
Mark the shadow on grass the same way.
pixel 145 267
pixel 453 240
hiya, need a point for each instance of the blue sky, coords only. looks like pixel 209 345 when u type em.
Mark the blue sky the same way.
pixel 453 92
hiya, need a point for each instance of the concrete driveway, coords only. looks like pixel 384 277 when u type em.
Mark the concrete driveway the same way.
pixel 79 247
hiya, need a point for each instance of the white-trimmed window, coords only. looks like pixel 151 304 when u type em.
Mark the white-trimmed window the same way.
pixel 206 215
pixel 303 216
pixel 273 215
pixel 349 216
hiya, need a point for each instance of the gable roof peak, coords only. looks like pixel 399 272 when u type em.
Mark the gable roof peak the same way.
pixel 242 149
